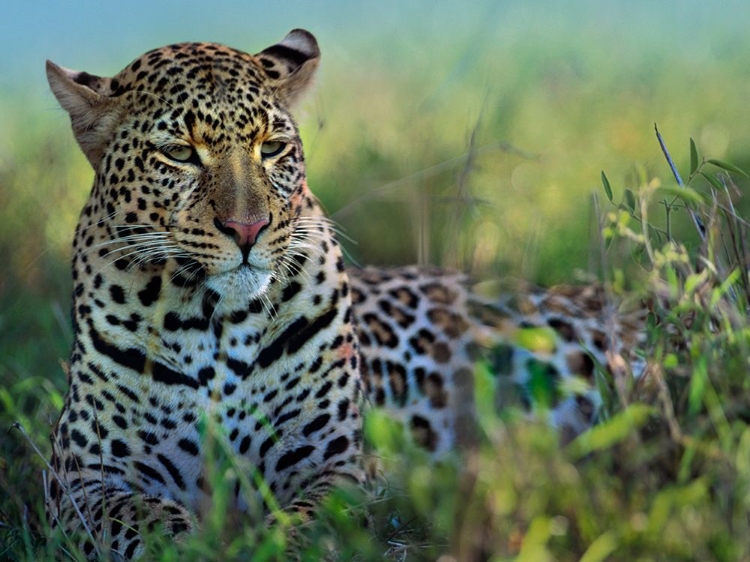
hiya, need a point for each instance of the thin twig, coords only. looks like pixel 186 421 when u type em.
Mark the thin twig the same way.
pixel 736 224
pixel 52 471
pixel 464 196
pixel 696 219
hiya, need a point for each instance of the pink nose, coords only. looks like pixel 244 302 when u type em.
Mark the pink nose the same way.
pixel 245 234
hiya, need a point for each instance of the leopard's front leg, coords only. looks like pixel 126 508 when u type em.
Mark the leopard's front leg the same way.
pixel 114 521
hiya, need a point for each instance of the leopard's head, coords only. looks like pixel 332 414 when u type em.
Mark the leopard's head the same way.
pixel 198 161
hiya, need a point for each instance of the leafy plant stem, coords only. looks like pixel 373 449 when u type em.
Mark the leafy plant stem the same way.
pixel 696 219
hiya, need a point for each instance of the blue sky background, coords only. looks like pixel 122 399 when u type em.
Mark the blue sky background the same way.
pixel 102 37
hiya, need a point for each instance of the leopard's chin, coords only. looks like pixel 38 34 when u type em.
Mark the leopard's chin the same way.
pixel 237 287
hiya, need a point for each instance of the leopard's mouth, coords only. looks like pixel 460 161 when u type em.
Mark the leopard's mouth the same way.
pixel 240 284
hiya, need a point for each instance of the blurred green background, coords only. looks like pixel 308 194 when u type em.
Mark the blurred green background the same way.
pixel 470 134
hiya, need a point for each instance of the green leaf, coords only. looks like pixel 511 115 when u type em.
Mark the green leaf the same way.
pixel 692 282
pixel 713 181
pixel 655 234
pixel 727 166
pixel 383 432
pixel 725 287
pixel 536 339
pixel 693 157
pixel 743 455
pixel 542 384
pixel 484 391
pixel 601 548
pixel 686 464
pixel 630 200
pixel 671 361
pixel 686 194
pixel 672 500
pixel 610 433
pixel 607 187
pixel 698 384
pixel 534 543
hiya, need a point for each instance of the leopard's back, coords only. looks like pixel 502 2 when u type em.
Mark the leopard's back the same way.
pixel 423 331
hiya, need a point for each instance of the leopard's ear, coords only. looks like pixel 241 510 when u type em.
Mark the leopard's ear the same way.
pixel 291 64
pixel 89 102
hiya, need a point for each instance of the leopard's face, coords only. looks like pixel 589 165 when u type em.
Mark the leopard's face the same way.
pixel 199 167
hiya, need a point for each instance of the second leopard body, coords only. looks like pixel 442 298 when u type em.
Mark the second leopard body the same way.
pixel 210 289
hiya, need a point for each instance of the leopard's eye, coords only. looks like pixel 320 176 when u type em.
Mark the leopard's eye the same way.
pixel 181 153
pixel 271 148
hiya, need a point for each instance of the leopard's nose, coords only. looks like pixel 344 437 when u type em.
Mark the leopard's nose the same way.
pixel 244 234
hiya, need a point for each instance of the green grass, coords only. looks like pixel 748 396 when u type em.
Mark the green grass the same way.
pixel 487 162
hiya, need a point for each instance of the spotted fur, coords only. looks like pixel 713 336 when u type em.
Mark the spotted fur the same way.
pixel 187 312
pixel 209 289
pixel 422 331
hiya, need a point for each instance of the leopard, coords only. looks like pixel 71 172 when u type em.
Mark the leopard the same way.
pixel 210 290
